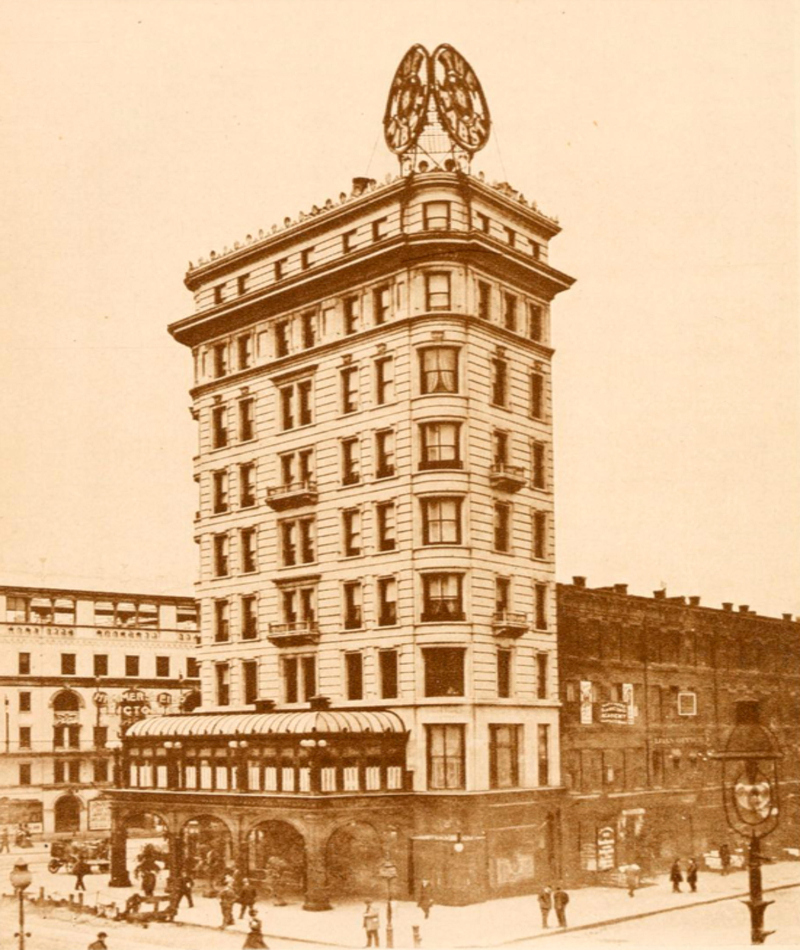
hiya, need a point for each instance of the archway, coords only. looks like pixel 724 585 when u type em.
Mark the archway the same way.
pixel 147 844
pixel 276 854
pixel 352 858
pixel 66 700
pixel 207 848
pixel 67 814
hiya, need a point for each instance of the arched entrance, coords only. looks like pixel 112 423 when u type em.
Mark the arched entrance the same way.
pixel 148 846
pixel 66 701
pixel 67 814
pixel 352 858
pixel 207 848
pixel 276 854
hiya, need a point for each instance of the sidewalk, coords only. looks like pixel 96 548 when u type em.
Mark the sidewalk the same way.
pixel 491 924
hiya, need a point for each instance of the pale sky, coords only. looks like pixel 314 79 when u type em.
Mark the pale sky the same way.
pixel 138 136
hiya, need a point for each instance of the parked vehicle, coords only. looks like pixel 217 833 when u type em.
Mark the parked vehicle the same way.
pixel 66 854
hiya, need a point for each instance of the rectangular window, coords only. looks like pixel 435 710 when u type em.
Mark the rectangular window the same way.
pixel 543 747
pixel 279 268
pixel 535 321
pixel 387 660
pixel 385 517
pixel 502 595
pixel 440 445
pixel 247 541
pixel 308 324
pixel 351 594
pixel 74 771
pixel 290 684
pixel 504 749
pixel 384 380
pixel 504 674
pixel 281 338
pixel 297 541
pixel 162 666
pixel 246 429
pixel 542 669
pixel 436 215
pixel 223 683
pixel 68 664
pixel 24 773
pixel 220 555
pixel 484 300
pixel 354 673
pixel 379 229
pixel 131 665
pixel 250 681
pixel 300 599
pixel 502 527
pixel 381 299
pixel 511 236
pixel 350 314
pixel 304 402
pixel 100 771
pixel 444 671
pixel 244 348
pixel 100 664
pixel 446 757
pixel 25 701
pixel 510 311
pixel 499 382
pixel 100 736
pixel 536 249
pixel 442 598
pixel 687 704
pixel 17 610
pixel 499 448
pixel 219 293
pixel 438 369
pixel 350 462
pixel 537 395
pixel 219 489
pixel 308 672
pixel 437 291
pixel 387 601
pixel 59 737
pixel 249 618
pixel 59 771
pixel 348 241
pixel 384 453
pixel 24 737
pixel 538 466
pixel 540 605
pixel 351 532
pixel 219 427
pixel 192 668
pixel 540 534
pixel 221 621
pixel 441 520
pixel 306 258
pixel 482 222
pixel 349 389
pixel 241 284
pixel 247 485
pixel 220 356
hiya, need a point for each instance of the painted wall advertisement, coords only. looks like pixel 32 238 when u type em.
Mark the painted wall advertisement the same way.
pixel 606 848
pixel 586 702
pixel 99 814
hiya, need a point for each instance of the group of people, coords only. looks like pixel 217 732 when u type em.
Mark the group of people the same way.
pixel 22 837
pixel 676 875
pixel 557 900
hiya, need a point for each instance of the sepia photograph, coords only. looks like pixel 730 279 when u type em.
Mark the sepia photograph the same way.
pixel 400 496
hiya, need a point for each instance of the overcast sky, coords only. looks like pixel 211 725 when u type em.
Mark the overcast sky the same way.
pixel 138 136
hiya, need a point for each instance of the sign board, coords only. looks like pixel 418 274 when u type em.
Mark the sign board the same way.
pixel 16 810
pixel 586 702
pixel 627 698
pixel 388 871
pixel 606 848
pixel 100 814
pixel 614 713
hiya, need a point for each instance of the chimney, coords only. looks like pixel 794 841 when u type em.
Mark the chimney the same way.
pixel 727 606
pixel 621 588
pixel 694 601
pixel 360 185
pixel 744 608
pixel 678 599
pixel 579 581
pixel 319 702
pixel 264 705
pixel 660 594
pixel 787 617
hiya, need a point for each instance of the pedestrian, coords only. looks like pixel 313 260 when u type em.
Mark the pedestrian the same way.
pixel 149 880
pixel 100 943
pixel 5 840
pixel 632 878
pixel 247 896
pixel 255 938
pixel 725 858
pixel 371 925
pixel 545 903
pixel 184 889
pixel 80 870
pixel 691 874
pixel 425 901
pixel 560 901
pixel 675 876
pixel 227 898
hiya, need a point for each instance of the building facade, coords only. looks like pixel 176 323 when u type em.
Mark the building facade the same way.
pixel 649 687
pixel 78 665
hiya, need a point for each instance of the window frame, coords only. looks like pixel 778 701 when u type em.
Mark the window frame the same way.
pixel 458 756
pixel 430 517
pixel 438 299
pixel 514 748
pixel 434 380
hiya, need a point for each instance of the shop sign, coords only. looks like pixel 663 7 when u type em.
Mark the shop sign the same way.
pixel 586 702
pixel 99 814
pixel 614 712
pixel 13 811
pixel 606 848
pixel 627 698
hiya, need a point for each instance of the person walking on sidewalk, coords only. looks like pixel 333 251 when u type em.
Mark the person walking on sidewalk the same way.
pixel 184 889
pixel 675 876
pixel 545 903
pixel 255 938
pixel 247 896
pixel 425 901
pixel 371 925
pixel 80 870
pixel 227 899
pixel 691 874
pixel 632 878
pixel 5 840
pixel 725 858
pixel 560 901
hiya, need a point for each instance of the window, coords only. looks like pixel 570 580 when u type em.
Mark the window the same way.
pixel 537 395
pixel 192 668
pixel 381 299
pixel 387 660
pixel 350 314
pixel 499 448
pixel 385 517
pixel 384 453
pixel 68 664
pixel 502 527
pixel 504 674
pixel 441 520
pixel 442 597
pixel 219 427
pixel 687 704
pixel 511 236
pixel 504 749
pixel 131 665
pixel 220 555
pixel 241 284
pixel 499 381
pixel 58 771
pixel 349 389
pixel 247 485
pixel 439 369
pixel 279 268
pixel 24 663
pixel 220 356
pixel 481 222
pixel 299 678
pixel 502 595
pixel 308 324
pixel 484 300
pixel 510 311
pixel 221 621
pixel 354 675
pixel 539 479
pixel 24 737
pixel 536 249
pixel 298 605
pixel 297 541
pixel 436 215
pixel 445 756
pixel 219 293
pixel 351 595
pixel 162 666
pixel 244 348
pixel 100 737
pixel 379 228
pixel 17 609
pixel 247 539
pixel 25 701
pixel 100 770
pixel 24 773
pixel 282 338
pixel 223 683
pixel 350 462
pixel 437 291
pixel 250 681
pixel 74 771
pixel 245 420
pixel 304 401
pixel 535 321
pixel 440 445
pixel 301 464
pixel 384 380
pixel 540 534
pixel 387 601
pixel 543 747
pixel 348 241
pixel 351 531
pixel 542 669
pixel 249 618
pixel 296 397
pixel 306 257
pixel 540 605
pixel 219 489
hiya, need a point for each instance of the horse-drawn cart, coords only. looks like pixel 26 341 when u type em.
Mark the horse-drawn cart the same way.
pixel 66 854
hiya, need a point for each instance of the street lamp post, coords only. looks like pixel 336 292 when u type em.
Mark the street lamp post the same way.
pixel 21 878
pixel 750 795
pixel 388 872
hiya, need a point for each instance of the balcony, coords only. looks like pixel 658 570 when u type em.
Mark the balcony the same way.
pixel 506 623
pixel 434 465
pixel 441 611
pixel 292 495
pixel 294 633
pixel 509 478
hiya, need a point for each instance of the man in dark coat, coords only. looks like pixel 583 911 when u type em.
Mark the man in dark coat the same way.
pixel 545 903
pixel 725 858
pixel 80 870
pixel 100 943
pixel 184 889
pixel 149 880
pixel 247 896
pixel 227 898
pixel 675 876
pixel 560 901
pixel 425 901
pixel 691 874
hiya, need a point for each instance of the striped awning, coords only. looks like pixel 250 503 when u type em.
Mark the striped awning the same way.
pixel 301 723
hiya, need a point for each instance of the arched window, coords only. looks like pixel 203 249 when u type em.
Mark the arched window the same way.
pixel 66 701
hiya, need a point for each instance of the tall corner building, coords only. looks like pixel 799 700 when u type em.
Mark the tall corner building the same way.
pixel 375 526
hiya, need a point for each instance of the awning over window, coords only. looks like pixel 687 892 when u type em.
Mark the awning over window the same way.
pixel 301 722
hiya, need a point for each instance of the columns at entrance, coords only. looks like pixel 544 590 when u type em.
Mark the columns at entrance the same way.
pixel 316 876
pixel 118 851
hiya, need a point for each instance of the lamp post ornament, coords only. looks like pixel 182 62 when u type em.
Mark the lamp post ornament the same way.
pixel 21 878
pixel 388 872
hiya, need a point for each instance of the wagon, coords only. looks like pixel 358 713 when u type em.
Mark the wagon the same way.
pixel 66 854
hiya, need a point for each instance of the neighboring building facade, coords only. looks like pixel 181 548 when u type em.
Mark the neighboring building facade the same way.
pixel 79 664
pixel 648 690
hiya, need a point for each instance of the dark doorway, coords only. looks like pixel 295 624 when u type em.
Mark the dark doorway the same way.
pixel 67 814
